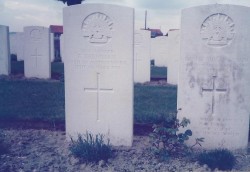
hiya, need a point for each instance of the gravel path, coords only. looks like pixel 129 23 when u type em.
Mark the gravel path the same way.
pixel 44 150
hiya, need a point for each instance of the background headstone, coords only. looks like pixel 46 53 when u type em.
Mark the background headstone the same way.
pixel 52 47
pixel 37 52
pixel 213 90
pixel 13 43
pixel 20 38
pixel 99 71
pixel 62 47
pixel 142 56
pixel 159 50
pixel 4 50
pixel 174 56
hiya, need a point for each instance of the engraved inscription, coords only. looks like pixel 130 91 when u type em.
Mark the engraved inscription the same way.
pixel 217 30
pixel 98 90
pixel 97 28
pixel 213 90
pixel 35 35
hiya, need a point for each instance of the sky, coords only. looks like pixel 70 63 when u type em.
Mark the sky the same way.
pixel 161 14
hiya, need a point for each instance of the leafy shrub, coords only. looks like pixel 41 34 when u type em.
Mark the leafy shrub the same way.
pixel 222 159
pixel 168 141
pixel 4 147
pixel 89 148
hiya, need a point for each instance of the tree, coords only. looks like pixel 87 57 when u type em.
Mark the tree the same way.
pixel 71 2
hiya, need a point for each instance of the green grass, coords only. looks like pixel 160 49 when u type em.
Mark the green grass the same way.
pixel 31 100
pixel 44 100
pixel 151 103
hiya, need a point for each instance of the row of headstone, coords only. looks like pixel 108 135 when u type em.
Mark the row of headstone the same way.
pixel 213 84
pixel 33 47
pixel 213 74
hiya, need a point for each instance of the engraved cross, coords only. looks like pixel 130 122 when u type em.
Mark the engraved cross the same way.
pixel 98 90
pixel 36 55
pixel 213 90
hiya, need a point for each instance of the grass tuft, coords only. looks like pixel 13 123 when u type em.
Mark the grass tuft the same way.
pixel 90 148
pixel 222 159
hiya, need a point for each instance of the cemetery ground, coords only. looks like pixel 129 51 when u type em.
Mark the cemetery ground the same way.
pixel 32 121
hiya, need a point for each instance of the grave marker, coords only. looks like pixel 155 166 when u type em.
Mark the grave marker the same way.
pixel 213 89
pixel 98 62
pixel 37 52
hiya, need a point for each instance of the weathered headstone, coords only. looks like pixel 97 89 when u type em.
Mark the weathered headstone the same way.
pixel 142 56
pixel 4 50
pixel 52 47
pixel 37 52
pixel 20 38
pixel 99 71
pixel 62 47
pixel 213 90
pixel 159 50
pixel 174 56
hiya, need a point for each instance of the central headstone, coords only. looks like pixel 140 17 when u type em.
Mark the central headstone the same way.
pixel 213 90
pixel 37 52
pixel 99 71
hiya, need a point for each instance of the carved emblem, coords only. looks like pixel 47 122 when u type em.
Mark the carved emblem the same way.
pixel 217 30
pixel 97 28
pixel 35 35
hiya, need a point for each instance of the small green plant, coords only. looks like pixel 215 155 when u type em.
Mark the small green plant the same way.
pixel 4 147
pixel 168 141
pixel 90 148
pixel 221 159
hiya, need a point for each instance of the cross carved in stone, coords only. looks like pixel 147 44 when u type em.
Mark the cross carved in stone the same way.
pixel 213 90
pixel 98 90
pixel 36 56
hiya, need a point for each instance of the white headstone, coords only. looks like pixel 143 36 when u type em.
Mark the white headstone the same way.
pixel 62 47
pixel 52 47
pixel 20 37
pixel 213 90
pixel 99 71
pixel 37 52
pixel 174 56
pixel 159 50
pixel 4 50
pixel 13 43
pixel 142 56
